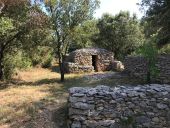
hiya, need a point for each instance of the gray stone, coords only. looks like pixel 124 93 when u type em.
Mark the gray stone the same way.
pixel 103 107
pixel 106 122
pixel 84 106
pixel 91 92
pixel 142 119
pixel 162 106
pixel 155 119
pixel 73 111
pixel 76 124
pixel 78 95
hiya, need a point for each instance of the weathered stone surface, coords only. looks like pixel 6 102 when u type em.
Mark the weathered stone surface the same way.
pixel 88 60
pixel 138 66
pixel 83 106
pixel 162 106
pixel 143 106
pixel 76 124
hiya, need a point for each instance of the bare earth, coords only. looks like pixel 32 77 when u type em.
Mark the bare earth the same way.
pixel 36 98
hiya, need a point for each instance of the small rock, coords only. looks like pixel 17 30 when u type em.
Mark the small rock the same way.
pixel 162 106
pixel 155 119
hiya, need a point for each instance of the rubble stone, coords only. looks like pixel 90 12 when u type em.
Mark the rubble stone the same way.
pixel 120 107
pixel 89 60
pixel 137 66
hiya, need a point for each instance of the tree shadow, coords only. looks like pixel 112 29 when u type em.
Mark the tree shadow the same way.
pixel 54 104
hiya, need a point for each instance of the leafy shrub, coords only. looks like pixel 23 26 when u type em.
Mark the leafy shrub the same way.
pixel 149 51
pixel 42 56
pixel 13 62
pixel 165 49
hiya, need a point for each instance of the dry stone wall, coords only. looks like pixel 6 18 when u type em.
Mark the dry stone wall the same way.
pixel 138 67
pixel 143 106
pixel 76 68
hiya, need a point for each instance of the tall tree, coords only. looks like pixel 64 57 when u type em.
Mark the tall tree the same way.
pixel 83 35
pixel 157 18
pixel 17 17
pixel 121 34
pixel 65 16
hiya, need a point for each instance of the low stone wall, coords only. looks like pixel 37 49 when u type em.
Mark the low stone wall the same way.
pixel 143 106
pixel 138 67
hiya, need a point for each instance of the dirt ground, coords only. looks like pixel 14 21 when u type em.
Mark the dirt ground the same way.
pixel 37 99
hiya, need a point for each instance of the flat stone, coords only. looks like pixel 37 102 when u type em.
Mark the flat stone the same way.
pixel 78 95
pixel 142 119
pixel 91 92
pixel 155 119
pixel 77 90
pixel 106 122
pixel 77 99
pixel 84 106
pixel 76 124
pixel 73 111
pixel 91 124
pixel 162 106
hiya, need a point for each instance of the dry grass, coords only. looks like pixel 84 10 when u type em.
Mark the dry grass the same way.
pixel 38 100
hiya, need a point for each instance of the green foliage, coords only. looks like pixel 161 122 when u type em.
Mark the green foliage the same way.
pixel 150 51
pixel 157 18
pixel 13 62
pixel 82 37
pixel 121 34
pixel 165 49
pixel 6 25
pixel 42 55
pixel 65 16
pixel 17 19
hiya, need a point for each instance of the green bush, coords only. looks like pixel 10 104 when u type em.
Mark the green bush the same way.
pixel 13 62
pixel 43 56
pixel 165 49
pixel 150 51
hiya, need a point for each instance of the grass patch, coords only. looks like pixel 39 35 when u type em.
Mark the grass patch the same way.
pixel 37 99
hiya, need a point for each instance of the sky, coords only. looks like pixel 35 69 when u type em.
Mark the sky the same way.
pixel 115 6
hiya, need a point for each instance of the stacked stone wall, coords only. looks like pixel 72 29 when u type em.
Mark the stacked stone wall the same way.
pixel 143 106
pixel 76 68
pixel 138 67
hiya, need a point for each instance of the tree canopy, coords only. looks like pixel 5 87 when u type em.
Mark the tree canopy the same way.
pixel 121 33
pixel 83 34
pixel 65 16
pixel 157 19
pixel 17 18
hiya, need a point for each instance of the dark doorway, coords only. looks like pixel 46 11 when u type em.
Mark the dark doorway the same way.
pixel 94 62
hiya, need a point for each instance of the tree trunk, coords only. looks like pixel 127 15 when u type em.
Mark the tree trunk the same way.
pixel 1 70
pixel 1 63
pixel 62 72
pixel 61 65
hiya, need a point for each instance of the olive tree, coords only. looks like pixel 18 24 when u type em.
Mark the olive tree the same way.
pixel 65 16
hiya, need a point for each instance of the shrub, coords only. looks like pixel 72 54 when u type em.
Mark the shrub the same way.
pixel 149 51
pixel 15 61
pixel 165 49
pixel 43 56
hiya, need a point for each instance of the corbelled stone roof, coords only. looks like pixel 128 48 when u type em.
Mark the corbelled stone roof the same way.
pixel 90 51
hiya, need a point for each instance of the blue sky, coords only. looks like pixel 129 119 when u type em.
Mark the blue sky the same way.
pixel 115 6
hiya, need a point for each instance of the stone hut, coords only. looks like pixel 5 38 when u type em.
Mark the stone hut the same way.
pixel 89 60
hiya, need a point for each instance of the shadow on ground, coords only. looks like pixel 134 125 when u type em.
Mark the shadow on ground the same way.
pixel 51 110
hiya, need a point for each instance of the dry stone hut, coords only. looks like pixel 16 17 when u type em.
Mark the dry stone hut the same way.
pixel 89 60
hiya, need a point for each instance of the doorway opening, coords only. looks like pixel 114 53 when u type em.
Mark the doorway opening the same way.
pixel 94 62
